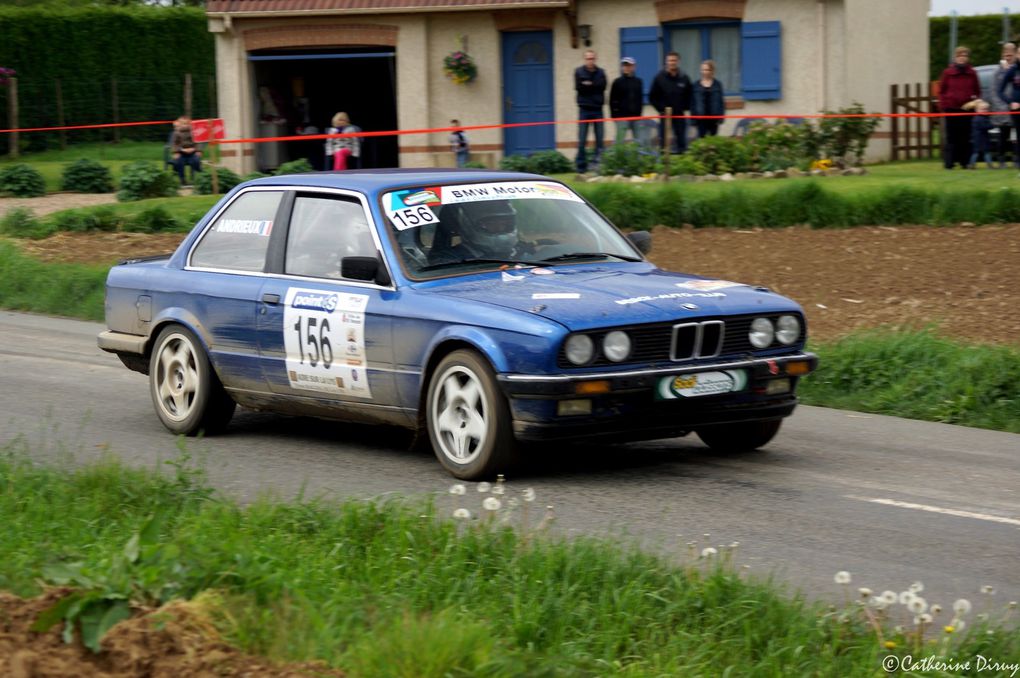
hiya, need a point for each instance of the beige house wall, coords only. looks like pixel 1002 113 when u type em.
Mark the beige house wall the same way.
pixel 834 52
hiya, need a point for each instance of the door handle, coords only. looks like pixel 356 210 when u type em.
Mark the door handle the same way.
pixel 271 298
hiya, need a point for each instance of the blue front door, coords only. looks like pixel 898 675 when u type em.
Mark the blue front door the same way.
pixel 528 91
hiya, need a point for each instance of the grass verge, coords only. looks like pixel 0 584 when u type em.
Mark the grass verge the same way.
pixel 69 290
pixel 391 588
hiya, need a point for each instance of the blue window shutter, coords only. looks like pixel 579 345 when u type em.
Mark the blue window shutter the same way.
pixel 761 60
pixel 643 44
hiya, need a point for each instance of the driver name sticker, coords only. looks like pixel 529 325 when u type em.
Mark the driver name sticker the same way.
pixel 556 295
pixel 324 340
pixel 671 295
pixel 261 227
pixel 708 285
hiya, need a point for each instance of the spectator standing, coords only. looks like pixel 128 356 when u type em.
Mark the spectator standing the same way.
pixel 183 148
pixel 590 83
pixel 1003 123
pixel 980 127
pixel 707 99
pixel 1009 94
pixel 343 153
pixel 672 88
pixel 959 88
pixel 626 100
pixel 459 144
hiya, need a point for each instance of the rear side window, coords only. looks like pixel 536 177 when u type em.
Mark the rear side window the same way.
pixel 239 237
pixel 322 232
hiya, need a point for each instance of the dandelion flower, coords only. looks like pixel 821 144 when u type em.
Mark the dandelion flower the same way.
pixel 917 587
pixel 889 645
pixel 708 552
pixel 528 494
pixel 842 577
pixel 989 590
pixel 457 489
pixel 462 514
pixel 491 504
pixel 890 597
pixel 918 605
pixel 906 597
pixel 962 607
pixel 936 608
pixel 948 628
pixel 865 592
pixel 484 486
pixel 922 619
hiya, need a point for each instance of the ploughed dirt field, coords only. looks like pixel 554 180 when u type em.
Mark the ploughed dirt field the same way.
pixel 965 280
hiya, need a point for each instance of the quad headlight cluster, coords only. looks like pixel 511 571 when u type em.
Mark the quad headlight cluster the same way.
pixel 580 348
pixel 786 330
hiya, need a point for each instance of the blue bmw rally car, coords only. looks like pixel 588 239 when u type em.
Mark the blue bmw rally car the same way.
pixel 484 309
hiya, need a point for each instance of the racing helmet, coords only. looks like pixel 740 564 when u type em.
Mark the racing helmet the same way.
pixel 490 226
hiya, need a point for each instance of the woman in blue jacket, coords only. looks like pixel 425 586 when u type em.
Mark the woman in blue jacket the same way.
pixel 707 99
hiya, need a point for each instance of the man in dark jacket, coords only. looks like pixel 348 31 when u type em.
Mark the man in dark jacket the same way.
pixel 626 99
pixel 959 88
pixel 1010 81
pixel 672 88
pixel 590 83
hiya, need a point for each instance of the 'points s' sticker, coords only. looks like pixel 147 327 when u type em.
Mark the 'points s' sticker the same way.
pixel 708 285
pixel 324 340
pixel 262 227
pixel 555 295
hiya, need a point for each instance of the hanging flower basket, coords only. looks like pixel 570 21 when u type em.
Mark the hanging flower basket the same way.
pixel 5 75
pixel 460 67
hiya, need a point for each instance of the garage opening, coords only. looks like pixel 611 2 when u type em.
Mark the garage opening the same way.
pixel 298 91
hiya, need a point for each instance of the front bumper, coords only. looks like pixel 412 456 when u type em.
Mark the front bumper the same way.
pixel 625 404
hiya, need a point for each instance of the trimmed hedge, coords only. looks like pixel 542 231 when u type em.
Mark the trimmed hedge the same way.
pixel 982 34
pixel 147 49
pixel 798 202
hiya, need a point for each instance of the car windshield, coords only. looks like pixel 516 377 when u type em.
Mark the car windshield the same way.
pixel 454 229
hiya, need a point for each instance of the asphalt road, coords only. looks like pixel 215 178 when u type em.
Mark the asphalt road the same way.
pixel 891 500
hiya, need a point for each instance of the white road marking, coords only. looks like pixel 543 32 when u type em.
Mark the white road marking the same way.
pixel 936 509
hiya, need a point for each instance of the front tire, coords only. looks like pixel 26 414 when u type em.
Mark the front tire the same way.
pixel 186 392
pixel 739 437
pixel 468 418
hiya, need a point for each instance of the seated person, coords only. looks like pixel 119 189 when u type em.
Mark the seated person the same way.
pixel 183 148
pixel 487 230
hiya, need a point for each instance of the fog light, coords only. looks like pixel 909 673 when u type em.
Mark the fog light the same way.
pixel 568 408
pixel 776 386
pixel 591 387
pixel 798 368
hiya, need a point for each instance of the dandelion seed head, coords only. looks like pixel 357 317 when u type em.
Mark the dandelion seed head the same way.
pixel 983 616
pixel 959 624
pixel 936 608
pixel 708 552
pixel 734 544
pixel 842 577
pixel 898 628
pixel 512 502
pixel 922 619
pixel 457 489
pixel 865 592
pixel 499 489
pixel 462 514
pixel 878 603
pixel 1012 605
pixel 962 607
pixel 917 587
pixel 906 597
pixel 918 605
pixel 484 486
pixel 491 504
pixel 890 597
pixel 988 590
pixel 528 494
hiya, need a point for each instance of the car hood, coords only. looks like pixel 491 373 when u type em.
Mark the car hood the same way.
pixel 583 297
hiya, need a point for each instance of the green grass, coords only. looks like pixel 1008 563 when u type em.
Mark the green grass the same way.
pixel 58 289
pixel 394 589
pixel 51 163
pixel 919 375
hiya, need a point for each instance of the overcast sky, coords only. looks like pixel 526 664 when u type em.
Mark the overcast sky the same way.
pixel 965 7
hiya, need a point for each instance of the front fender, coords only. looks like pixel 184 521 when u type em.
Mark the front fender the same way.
pixel 481 339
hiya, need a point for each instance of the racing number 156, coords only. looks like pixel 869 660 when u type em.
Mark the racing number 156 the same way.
pixel 323 350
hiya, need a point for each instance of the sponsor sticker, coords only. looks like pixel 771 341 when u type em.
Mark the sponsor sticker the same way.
pixel 420 197
pixel 510 277
pixel 556 295
pixel 671 295
pixel 262 227
pixel 542 271
pixel 708 285
pixel 701 384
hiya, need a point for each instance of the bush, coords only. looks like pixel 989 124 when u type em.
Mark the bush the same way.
pixel 142 179
pixel 85 220
pixel 22 181
pixel 628 159
pixel 21 223
pixel 549 162
pixel 514 163
pixel 844 140
pixel 204 183
pixel 87 176
pixel 295 167
pixel 154 220
pixel 475 164
pixel 255 175
pixel 684 164
pixel 719 155
pixel 781 145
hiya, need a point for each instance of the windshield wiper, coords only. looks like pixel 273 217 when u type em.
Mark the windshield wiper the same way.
pixel 478 260
pixel 589 255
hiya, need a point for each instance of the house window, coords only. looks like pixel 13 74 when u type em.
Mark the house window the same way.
pixel 718 41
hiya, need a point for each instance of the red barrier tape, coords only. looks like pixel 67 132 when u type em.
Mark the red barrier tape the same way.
pixel 102 126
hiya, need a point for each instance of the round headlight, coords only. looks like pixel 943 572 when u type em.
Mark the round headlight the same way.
pixel 761 333
pixel 787 329
pixel 580 349
pixel 616 346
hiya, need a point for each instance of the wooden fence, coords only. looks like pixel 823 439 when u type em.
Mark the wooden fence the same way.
pixel 914 137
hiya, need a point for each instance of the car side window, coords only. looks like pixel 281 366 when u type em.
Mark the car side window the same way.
pixel 322 232
pixel 239 237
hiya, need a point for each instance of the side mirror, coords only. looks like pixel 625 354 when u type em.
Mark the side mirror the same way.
pixel 369 269
pixel 642 240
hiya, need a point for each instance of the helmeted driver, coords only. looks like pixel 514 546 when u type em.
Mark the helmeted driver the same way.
pixel 489 228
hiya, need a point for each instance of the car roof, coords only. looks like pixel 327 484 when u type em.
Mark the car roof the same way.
pixel 372 181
